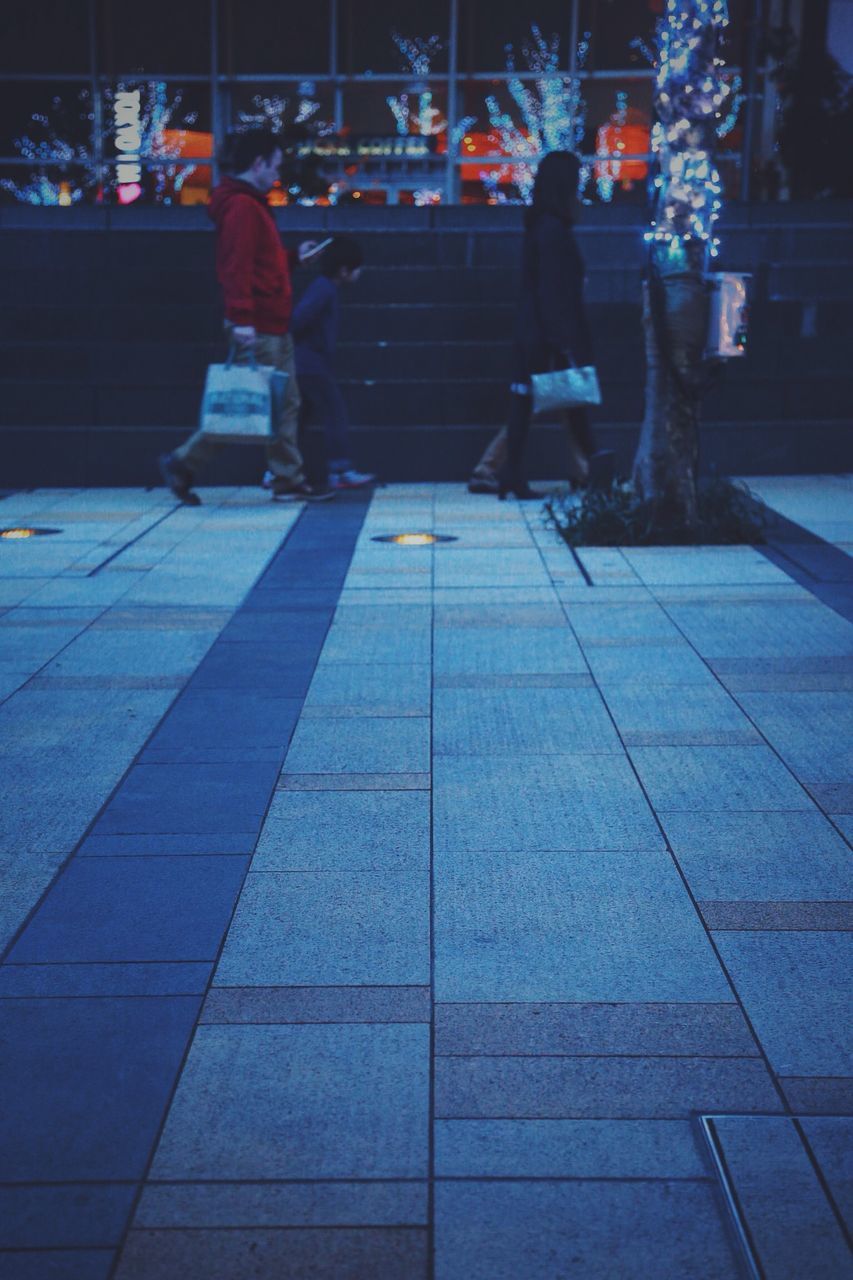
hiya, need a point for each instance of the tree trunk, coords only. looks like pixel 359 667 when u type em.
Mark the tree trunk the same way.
pixel 675 319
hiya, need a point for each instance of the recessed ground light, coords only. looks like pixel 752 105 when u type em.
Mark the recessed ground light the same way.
pixel 15 535
pixel 413 539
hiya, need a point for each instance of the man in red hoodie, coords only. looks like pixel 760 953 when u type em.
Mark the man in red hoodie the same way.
pixel 254 271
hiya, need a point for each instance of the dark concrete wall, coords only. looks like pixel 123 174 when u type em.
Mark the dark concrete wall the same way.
pixel 111 316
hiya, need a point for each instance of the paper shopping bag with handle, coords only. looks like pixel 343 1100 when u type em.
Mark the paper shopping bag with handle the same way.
pixel 239 399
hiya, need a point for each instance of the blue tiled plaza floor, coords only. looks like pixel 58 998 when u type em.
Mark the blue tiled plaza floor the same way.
pixel 404 912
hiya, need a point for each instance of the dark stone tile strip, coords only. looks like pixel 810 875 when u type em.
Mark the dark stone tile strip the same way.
pixel 648 1030
pixel 736 916
pixel 90 1070
pixel 392 1253
pixel 819 1095
pixel 824 570
pixel 316 1004
pixel 600 1087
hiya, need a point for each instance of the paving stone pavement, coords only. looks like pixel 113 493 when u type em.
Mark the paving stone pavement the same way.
pixel 380 911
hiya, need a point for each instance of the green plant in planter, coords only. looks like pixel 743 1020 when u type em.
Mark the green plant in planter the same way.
pixel 727 513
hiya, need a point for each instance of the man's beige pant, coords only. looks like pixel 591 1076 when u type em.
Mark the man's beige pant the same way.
pixel 283 456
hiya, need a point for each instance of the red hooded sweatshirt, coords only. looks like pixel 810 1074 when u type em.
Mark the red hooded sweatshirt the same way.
pixel 251 263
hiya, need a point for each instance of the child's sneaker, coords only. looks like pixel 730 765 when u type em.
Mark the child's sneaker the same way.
pixel 350 479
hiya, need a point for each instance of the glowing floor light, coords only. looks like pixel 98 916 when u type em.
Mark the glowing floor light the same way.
pixel 413 539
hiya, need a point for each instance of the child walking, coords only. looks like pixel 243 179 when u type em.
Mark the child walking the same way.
pixel 315 334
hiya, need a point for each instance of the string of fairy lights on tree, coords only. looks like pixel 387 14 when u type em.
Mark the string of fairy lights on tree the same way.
pixel 553 114
pixel 696 104
pixel 158 131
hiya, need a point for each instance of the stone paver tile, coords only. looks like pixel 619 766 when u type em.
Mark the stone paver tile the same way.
pixel 618 595
pixel 780 682
pixel 834 797
pixel 363 689
pixel 59 1264
pixel 599 1087
pixel 807 665
pixel 294 1204
pixel 765 856
pixel 582 802
pixel 24 876
pixel 567 1149
pixel 716 1030
pixel 844 822
pixel 701 566
pixel 270 1254
pixel 104 979
pixel 488 1231
pixel 11 681
pixel 294 929
pixel 645 718
pixel 133 909
pixel 484 651
pixel 52 814
pixel 255 718
pixel 354 782
pixel 345 831
pixel 831 1140
pixel 595 623
pixel 316 1004
pixel 793 1229
pixel 648 664
pixel 141 845
pixel 31 648
pixel 14 590
pixel 818 916
pixel 492 567
pixel 74 1216
pixel 360 745
pixel 526 721
pixel 796 990
pixel 594 927
pixel 465 614
pixel 493 595
pixel 299 1102
pixel 145 652
pixel 608 567
pixel 192 799
pixel 755 630
pixel 213 755
pixel 118 721
pixel 355 643
pixel 813 732
pixel 819 1095
pixel 718 779
pixel 395 617
pixel 118 1058
pixel 470 680
pixel 366 595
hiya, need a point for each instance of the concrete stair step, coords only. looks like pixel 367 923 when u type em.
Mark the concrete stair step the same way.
pixel 113 455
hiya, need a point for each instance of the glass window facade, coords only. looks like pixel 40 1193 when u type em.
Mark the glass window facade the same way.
pixel 398 101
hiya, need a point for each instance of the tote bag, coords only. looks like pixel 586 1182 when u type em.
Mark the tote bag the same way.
pixel 571 388
pixel 239 401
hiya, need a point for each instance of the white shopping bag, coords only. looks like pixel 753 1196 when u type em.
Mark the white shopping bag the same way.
pixel 238 401
pixel 565 389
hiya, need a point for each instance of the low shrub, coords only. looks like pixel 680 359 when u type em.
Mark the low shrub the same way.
pixel 615 517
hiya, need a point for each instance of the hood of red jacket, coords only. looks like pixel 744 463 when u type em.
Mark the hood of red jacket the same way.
pixel 226 190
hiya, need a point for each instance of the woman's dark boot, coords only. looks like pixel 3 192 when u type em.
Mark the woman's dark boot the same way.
pixel 511 478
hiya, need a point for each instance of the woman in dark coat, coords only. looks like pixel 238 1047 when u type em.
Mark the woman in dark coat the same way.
pixel 551 327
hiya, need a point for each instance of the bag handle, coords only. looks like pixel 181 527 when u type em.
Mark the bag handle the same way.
pixel 232 351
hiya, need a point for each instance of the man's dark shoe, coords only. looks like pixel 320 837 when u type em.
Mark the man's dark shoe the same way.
pixel 282 491
pixel 482 484
pixel 179 479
